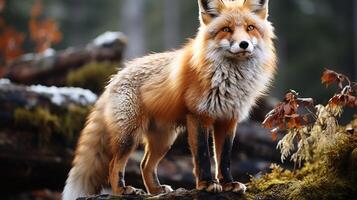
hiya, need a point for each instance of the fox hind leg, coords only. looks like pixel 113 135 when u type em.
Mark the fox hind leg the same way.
pixel 117 165
pixel 224 133
pixel 158 142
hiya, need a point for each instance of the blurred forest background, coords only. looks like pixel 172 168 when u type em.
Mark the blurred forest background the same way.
pixel 37 125
pixel 312 34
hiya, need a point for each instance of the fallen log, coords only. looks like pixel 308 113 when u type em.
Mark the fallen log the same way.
pixel 50 67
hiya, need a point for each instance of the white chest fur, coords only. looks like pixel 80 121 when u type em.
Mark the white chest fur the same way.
pixel 234 89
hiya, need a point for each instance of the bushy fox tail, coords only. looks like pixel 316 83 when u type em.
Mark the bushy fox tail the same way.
pixel 91 163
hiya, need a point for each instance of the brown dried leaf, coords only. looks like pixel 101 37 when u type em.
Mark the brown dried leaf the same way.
pixel 294 105
pixel 44 33
pixel 271 119
pixel 330 77
pixel 351 101
pixel 268 122
pixel 334 101
pixel 305 118
pixel 288 109
pixel 344 100
pixel 294 121
pixel 11 43
pixel 274 134
pixel 290 96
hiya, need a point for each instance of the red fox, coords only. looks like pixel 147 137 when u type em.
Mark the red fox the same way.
pixel 207 87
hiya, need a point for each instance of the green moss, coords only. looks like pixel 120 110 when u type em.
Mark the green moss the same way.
pixel 276 192
pixel 331 174
pixel 276 177
pixel 64 123
pixel 320 187
pixel 40 120
pixel 92 76
pixel 73 121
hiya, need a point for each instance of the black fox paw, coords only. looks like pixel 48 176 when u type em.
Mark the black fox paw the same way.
pixel 236 187
pixel 129 190
pixel 162 189
pixel 210 186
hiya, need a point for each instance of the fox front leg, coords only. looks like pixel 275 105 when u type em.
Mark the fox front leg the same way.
pixel 224 132
pixel 199 132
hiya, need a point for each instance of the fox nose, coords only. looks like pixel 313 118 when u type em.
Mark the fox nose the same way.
pixel 244 45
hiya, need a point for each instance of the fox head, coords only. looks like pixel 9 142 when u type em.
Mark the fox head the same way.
pixel 234 29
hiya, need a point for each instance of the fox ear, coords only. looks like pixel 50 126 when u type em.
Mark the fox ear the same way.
pixel 209 9
pixel 259 7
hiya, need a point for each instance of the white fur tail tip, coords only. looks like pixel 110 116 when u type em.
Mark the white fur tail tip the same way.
pixel 76 187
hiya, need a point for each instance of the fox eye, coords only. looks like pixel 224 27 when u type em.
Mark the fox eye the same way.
pixel 227 29
pixel 250 28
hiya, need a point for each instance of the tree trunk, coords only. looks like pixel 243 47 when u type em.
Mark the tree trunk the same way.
pixel 133 22
pixel 171 23
pixel 77 15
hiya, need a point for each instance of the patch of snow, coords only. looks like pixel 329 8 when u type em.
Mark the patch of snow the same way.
pixel 33 56
pixel 49 52
pixel 61 95
pixel 28 57
pixel 4 81
pixel 108 37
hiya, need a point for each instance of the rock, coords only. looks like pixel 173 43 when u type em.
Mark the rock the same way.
pixel 38 124
pixel 180 194
pixel 13 96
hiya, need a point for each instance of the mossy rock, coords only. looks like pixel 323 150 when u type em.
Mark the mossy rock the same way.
pixel 353 161
pixel 73 121
pixel 93 76
pixel 332 175
pixel 40 120
pixel 64 124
